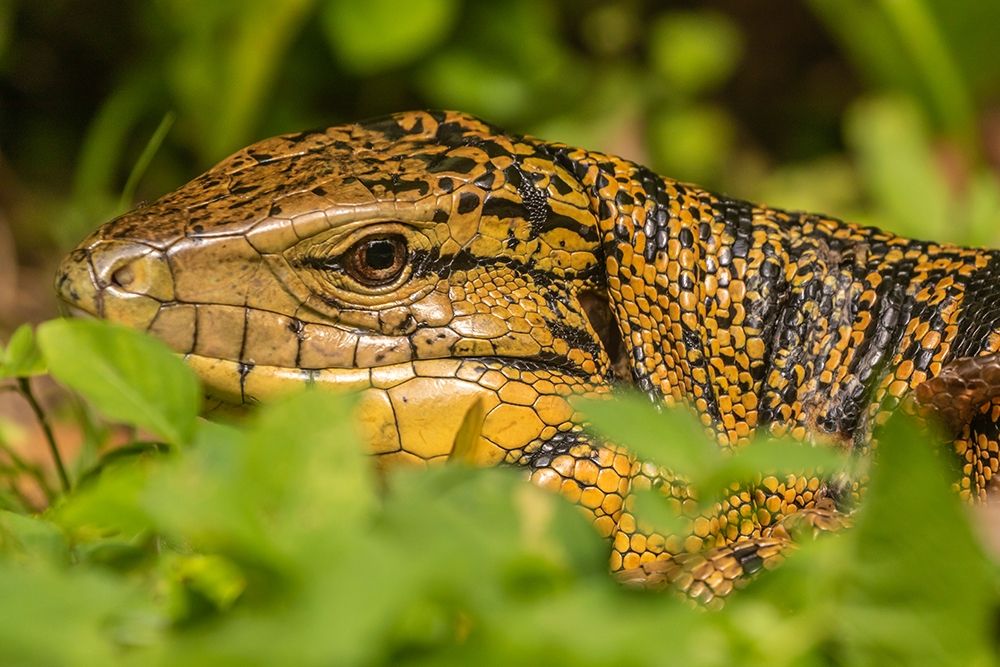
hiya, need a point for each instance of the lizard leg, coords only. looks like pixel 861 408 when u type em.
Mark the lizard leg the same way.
pixel 711 575
pixel 978 448
pixel 596 477
pixel 745 532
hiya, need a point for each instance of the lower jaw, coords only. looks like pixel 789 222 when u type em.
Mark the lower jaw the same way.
pixel 411 412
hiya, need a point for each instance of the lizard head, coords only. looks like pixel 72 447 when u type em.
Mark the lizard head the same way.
pixel 426 258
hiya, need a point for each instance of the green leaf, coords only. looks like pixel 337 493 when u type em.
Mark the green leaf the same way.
pixel 307 467
pixel 469 81
pixel 771 457
pixel 904 46
pixel 670 437
pixel 31 539
pixel 206 500
pixel 378 35
pixel 212 578
pixel 481 522
pixel 920 573
pixel 653 507
pixel 511 69
pixel 982 210
pixel 128 376
pixel 145 158
pixel 89 608
pixel 111 503
pixel 22 358
pixel 293 484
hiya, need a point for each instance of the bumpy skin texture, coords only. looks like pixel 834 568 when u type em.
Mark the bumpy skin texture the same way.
pixel 535 271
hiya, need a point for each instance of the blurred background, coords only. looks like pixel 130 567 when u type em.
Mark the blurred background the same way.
pixel 881 111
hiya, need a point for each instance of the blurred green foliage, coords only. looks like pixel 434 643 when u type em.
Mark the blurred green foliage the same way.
pixel 273 542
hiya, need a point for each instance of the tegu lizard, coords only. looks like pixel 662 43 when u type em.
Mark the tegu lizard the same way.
pixel 432 260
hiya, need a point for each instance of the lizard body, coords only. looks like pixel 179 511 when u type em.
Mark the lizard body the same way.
pixel 432 261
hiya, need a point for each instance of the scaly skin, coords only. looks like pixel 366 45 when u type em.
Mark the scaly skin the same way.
pixel 533 271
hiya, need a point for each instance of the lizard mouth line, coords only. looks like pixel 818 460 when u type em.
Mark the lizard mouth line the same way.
pixel 239 383
pixel 68 310
pixel 524 364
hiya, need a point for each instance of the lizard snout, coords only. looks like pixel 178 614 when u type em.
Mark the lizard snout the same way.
pixel 123 281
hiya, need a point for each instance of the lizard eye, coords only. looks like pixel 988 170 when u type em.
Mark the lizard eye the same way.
pixel 377 260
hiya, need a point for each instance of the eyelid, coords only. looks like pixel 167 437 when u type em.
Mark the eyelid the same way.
pixel 336 242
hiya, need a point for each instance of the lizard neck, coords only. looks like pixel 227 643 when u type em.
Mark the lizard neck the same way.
pixel 755 316
pixel 746 313
pixel 691 286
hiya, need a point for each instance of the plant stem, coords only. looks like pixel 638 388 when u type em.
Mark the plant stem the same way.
pixel 22 466
pixel 43 421
pixel 13 489
pixel 142 164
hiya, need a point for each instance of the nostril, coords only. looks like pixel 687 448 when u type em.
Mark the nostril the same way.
pixel 132 269
pixel 123 277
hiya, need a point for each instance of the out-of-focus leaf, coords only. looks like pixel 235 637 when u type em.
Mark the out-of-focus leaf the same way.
pixel 524 634
pixel 919 570
pixel 142 163
pixel 890 139
pixel 495 509
pixel 866 35
pixel 653 508
pixel 120 455
pixel 608 115
pixel 30 539
pixel 774 457
pixel 128 376
pixel 308 467
pixel 670 437
pixel 111 503
pixel 88 607
pixel 611 28
pixel 22 358
pixel 924 42
pixel 828 184
pixel 95 179
pixel 968 29
pixel 206 500
pixel 213 578
pixel 468 81
pixel 693 51
pixel 380 34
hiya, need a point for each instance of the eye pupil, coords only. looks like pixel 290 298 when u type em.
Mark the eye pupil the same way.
pixel 378 261
pixel 380 254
